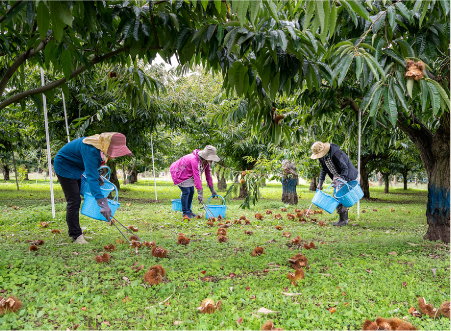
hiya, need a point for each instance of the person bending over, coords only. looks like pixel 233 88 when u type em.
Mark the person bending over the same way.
pixel 335 163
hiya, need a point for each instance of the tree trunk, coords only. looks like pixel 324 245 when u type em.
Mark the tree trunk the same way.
pixel 435 153
pixel 124 180
pixel 243 191
pixel 5 172
pixel 387 182
pixel 404 178
pixel 113 177
pixel 395 181
pixel 380 179
pixel 133 175
pixel 15 168
pixel 26 174
pixel 313 185
pixel 289 194
pixel 364 183
pixel 416 181
pixel 222 184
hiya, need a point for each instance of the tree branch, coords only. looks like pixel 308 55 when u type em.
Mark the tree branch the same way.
pixel 19 61
pixel 10 10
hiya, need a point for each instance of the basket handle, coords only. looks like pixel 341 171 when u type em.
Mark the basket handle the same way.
pixel 116 198
pixel 344 182
pixel 217 196
pixel 108 169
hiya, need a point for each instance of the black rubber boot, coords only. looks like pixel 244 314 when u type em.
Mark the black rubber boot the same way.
pixel 343 220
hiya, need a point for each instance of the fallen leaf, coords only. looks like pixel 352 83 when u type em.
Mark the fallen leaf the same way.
pixel 239 320
pixel 128 204
pixel 231 289
pixel 253 297
pixel 266 270
pixel 248 288
pixel 412 244
pixel 368 271
pixel 231 275
pixel 332 310
pixel 290 294
pixel 408 251
pixel 106 323
pixel 203 272
pixel 393 253
pixel 83 308
pixel 404 284
pixel 125 299
pixel 177 322
pixel 265 311
pixel 434 271
pixel 75 253
pixel 76 326
pixel 205 234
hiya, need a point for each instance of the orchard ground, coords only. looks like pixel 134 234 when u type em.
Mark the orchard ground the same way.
pixel 377 266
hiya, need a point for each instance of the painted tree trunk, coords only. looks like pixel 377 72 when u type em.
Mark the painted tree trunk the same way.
pixel 313 185
pixel 113 177
pixel 380 179
pixel 289 194
pixel 416 181
pixel 6 172
pixel 387 182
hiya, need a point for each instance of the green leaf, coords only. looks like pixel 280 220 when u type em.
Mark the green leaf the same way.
pixel 309 9
pixel 403 10
pixel 30 13
pixel 204 4
pixel 440 89
pixel 358 66
pixel 48 51
pixel 395 56
pixel 43 19
pixel 320 12
pixel 344 69
pixel 424 92
pixel 401 98
pixel 381 43
pixel 283 40
pixel 175 21
pixel 134 49
pixel 375 102
pixel 333 19
pixel 312 39
pixel 408 51
pixel 274 86
pixel 435 97
pixel 200 32
pixel 350 11
pixel 62 11
pixel 254 7
pixel 324 28
pixel 371 66
pixel 218 5
pixel 66 63
pixel 369 96
pixel 425 9
pixel 273 10
pixel 242 10
pixel 409 86
pixel 220 34
pixel 359 9
pixel 391 11
pixel 390 106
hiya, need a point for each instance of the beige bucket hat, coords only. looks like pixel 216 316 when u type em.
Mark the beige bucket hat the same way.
pixel 209 154
pixel 319 149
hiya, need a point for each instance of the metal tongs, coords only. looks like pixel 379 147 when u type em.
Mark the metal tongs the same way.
pixel 207 210
pixel 114 220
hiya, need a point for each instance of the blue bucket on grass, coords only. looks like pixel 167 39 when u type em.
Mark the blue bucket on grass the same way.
pixel 325 201
pixel 177 204
pixel 91 209
pixel 349 194
pixel 106 188
pixel 216 210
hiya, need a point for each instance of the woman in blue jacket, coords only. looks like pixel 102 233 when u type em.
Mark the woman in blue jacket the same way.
pixel 86 155
pixel 335 163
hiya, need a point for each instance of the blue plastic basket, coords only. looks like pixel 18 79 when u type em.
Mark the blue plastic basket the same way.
pixel 325 201
pixel 91 209
pixel 106 188
pixel 177 204
pixel 216 210
pixel 349 194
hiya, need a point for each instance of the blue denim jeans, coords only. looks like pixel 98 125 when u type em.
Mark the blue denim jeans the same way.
pixel 187 199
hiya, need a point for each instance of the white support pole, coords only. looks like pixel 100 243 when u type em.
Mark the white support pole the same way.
pixel 65 118
pixel 47 138
pixel 153 168
pixel 358 159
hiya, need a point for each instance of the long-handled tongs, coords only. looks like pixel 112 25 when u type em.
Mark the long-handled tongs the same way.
pixel 114 220
pixel 308 211
pixel 207 210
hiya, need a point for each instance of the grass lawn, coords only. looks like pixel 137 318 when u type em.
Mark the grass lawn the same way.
pixel 378 266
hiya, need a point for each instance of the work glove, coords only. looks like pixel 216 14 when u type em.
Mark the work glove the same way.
pixel 200 196
pixel 336 183
pixel 213 192
pixel 101 181
pixel 104 208
pixel 320 185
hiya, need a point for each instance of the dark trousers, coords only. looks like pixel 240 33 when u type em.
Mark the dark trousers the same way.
pixel 71 189
pixel 187 199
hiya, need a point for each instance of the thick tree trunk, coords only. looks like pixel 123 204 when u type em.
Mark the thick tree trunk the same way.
pixel 387 182
pixel 5 172
pixel 26 174
pixel 289 194
pixel 364 183
pixel 222 184
pixel 404 178
pixel 416 181
pixel 380 179
pixel 113 177
pixel 434 152
pixel 313 185
pixel 243 191
pixel 133 175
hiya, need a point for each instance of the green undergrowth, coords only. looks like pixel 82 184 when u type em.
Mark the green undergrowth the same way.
pixel 377 266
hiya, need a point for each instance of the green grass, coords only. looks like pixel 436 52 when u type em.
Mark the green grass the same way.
pixel 352 271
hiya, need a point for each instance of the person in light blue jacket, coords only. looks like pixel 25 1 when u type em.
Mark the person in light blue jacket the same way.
pixel 86 155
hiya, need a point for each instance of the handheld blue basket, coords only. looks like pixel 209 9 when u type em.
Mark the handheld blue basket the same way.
pixel 325 201
pixel 216 210
pixel 177 205
pixel 91 209
pixel 106 188
pixel 349 194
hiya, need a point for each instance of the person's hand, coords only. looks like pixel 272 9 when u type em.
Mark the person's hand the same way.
pixel 320 185
pixel 104 208
pixel 200 196
pixel 101 181
pixel 213 192
pixel 337 183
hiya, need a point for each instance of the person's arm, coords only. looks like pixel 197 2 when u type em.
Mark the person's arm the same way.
pixel 322 174
pixel 196 174
pixel 92 160
pixel 208 175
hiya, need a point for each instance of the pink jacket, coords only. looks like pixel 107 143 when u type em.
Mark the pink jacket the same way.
pixel 190 166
